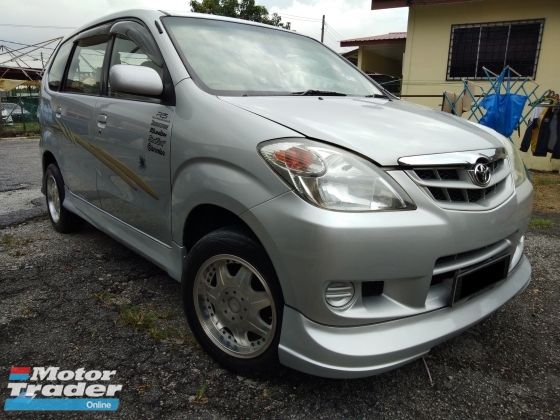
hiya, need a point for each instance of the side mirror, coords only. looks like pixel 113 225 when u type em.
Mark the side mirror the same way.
pixel 137 80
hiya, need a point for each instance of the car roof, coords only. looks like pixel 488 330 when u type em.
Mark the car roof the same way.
pixel 148 14
pixel 223 18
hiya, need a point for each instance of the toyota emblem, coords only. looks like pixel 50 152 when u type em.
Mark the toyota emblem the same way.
pixel 481 174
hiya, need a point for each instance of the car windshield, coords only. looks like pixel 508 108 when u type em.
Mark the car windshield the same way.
pixel 228 58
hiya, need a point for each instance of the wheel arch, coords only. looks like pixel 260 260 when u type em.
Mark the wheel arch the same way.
pixel 206 218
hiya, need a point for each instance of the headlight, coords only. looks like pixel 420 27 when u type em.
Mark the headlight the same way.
pixel 333 178
pixel 516 163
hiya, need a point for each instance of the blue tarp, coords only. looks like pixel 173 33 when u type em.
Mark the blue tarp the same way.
pixel 503 110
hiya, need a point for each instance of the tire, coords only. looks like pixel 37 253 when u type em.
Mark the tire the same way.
pixel 233 301
pixel 63 220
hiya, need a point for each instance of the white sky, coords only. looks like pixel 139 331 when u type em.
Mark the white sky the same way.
pixel 345 19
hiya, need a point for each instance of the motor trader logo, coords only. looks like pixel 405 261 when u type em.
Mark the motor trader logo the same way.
pixel 52 389
pixel 481 174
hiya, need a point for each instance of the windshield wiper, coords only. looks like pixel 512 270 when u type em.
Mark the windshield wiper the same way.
pixel 312 92
pixel 378 95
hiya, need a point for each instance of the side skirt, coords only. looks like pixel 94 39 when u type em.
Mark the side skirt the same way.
pixel 168 258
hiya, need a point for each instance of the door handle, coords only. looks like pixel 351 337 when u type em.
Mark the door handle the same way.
pixel 101 121
pixel 58 111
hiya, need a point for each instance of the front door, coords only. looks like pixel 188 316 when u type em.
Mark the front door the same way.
pixel 135 133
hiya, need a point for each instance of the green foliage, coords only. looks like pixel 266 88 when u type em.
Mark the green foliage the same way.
pixel 139 318
pixel 240 9
pixel 541 223
pixel 10 241
pixel 546 181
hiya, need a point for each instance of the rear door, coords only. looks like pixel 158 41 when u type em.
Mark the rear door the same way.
pixel 135 131
pixel 74 109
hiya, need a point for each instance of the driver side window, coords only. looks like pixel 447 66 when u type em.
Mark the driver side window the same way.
pixel 126 52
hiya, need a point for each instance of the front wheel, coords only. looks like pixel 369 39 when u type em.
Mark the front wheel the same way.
pixel 233 301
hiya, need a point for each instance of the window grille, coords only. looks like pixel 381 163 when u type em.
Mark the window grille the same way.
pixel 494 45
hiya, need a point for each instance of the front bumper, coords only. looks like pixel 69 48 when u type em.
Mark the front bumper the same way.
pixel 311 247
pixel 354 352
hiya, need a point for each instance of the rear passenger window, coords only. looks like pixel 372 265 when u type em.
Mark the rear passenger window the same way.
pixel 59 64
pixel 84 73
pixel 127 52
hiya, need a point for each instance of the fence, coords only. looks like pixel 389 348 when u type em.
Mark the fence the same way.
pixel 19 116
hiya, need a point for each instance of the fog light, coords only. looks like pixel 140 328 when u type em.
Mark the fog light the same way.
pixel 339 294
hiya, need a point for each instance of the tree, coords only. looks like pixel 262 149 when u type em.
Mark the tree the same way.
pixel 241 9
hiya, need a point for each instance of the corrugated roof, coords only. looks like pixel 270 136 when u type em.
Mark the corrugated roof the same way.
pixel 384 37
pixel 390 4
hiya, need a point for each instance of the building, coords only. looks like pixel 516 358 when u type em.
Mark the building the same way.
pixel 11 77
pixel 379 54
pixel 448 40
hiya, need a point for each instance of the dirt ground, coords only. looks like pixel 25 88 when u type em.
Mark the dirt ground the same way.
pixel 547 192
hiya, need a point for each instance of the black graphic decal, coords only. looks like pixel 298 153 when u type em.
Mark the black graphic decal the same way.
pixel 142 162
pixel 158 131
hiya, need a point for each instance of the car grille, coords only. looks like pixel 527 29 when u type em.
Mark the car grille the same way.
pixel 462 194
pixel 445 267
pixel 452 187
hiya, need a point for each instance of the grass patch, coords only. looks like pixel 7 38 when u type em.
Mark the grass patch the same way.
pixel 17 253
pixel 27 312
pixel 147 320
pixel 158 333
pixel 546 181
pixel 105 297
pixel 541 223
pixel 200 397
pixel 193 342
pixel 137 317
pixel 19 127
pixel 11 241
pixel 165 315
pixel 267 393
pixel 141 389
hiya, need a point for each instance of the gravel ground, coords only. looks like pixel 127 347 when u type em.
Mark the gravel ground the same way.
pixel 84 300
pixel 20 181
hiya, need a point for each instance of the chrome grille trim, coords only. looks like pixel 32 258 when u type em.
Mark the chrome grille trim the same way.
pixel 452 186
pixel 461 159
pixel 465 259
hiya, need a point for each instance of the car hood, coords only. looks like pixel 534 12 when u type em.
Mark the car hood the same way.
pixel 381 129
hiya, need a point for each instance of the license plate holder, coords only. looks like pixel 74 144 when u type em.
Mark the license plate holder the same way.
pixel 474 281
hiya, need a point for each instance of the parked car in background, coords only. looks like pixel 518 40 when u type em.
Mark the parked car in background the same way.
pixel 16 112
pixel 312 218
pixel 6 117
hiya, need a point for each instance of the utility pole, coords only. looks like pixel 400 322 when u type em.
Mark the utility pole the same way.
pixel 42 62
pixel 323 29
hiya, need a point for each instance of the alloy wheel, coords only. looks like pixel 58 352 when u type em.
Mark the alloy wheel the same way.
pixel 234 305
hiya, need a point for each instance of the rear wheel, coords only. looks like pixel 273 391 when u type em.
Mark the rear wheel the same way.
pixel 63 220
pixel 233 301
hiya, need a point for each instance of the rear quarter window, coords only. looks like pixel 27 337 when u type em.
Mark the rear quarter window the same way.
pixel 59 64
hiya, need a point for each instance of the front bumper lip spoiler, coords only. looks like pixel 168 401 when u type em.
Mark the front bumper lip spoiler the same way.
pixel 354 352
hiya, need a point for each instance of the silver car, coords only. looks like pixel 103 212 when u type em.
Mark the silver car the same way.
pixel 313 219
pixel 6 117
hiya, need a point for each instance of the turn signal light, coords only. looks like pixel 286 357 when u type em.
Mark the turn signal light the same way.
pixel 295 158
